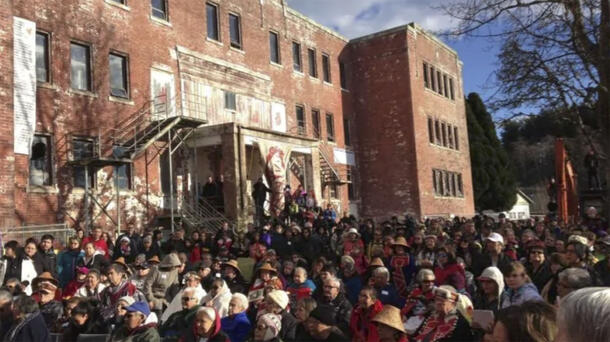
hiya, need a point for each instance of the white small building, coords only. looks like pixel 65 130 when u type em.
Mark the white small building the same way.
pixel 521 209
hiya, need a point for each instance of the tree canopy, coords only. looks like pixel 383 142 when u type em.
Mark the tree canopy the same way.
pixel 493 178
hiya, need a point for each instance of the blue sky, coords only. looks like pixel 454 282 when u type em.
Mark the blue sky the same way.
pixel 354 18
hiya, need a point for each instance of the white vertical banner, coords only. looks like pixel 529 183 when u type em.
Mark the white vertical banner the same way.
pixel 278 117
pixel 24 83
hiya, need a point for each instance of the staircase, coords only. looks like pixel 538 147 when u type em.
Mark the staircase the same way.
pixel 297 169
pixel 328 173
pixel 202 215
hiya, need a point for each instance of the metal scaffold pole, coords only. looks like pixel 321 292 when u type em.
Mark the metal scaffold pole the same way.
pixel 171 178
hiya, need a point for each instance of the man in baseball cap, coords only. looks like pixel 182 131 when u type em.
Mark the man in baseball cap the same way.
pixel 493 255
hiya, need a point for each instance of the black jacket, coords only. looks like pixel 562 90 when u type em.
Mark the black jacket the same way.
pixel 49 261
pixel 288 332
pixel 481 262
pixel 51 312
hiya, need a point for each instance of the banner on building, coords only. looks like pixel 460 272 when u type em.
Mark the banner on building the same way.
pixel 24 84
pixel 344 157
pixel 275 156
pixel 278 117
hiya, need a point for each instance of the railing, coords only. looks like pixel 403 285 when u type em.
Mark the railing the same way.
pixel 203 214
pixel 327 163
pixel 61 233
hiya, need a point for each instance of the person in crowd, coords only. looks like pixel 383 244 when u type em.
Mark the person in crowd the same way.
pixel 530 321
pixel 388 325
pixel 47 254
pixel 602 267
pixel 98 242
pixel 135 242
pixel 303 309
pixel 6 315
pixel 427 255
pixel 301 286
pixel 557 263
pixel 93 258
pixel 491 288
pixel 160 281
pixel 537 266
pixel 180 320
pixel 264 274
pixel 572 279
pixel 76 283
pixel 125 249
pixel 448 322
pixel 28 323
pixel 233 277
pixel 520 288
pixel 493 256
pixel 310 246
pixel 419 303
pixel 67 261
pixel 578 255
pixel 583 316
pixel 10 267
pixel 448 271
pixel 386 293
pixel 206 327
pixel 237 325
pixel 142 271
pixel 118 287
pixel 192 280
pixel 150 249
pixel 218 297
pixel 353 246
pixel 402 265
pixel 361 326
pixel 45 286
pixel 333 296
pixel 93 287
pixel 84 319
pixel 276 302
pixel 135 326
pixel 267 329
pixel 351 278
pixel 322 325
pixel 29 265
pixel 66 318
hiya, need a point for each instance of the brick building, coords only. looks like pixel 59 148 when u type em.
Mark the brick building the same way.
pixel 129 106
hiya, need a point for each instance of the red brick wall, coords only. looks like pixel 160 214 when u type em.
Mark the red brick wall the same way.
pixel 107 27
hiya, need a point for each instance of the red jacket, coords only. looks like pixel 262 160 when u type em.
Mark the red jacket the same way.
pixel 361 326
pixel 452 270
pixel 100 245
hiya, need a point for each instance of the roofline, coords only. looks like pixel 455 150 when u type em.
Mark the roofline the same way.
pixel 316 24
pixel 526 197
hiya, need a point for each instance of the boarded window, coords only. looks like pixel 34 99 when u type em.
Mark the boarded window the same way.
pixel 80 67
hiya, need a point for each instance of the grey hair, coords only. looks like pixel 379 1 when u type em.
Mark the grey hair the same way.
pixel 382 271
pixel 25 304
pixel 208 311
pixel 242 300
pixel 194 292
pixel 577 278
pixel 5 296
pixel 302 269
pixel 423 273
pixel 335 281
pixel 584 315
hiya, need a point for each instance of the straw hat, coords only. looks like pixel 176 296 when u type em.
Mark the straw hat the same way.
pixel 400 241
pixel 390 316
pixel 267 267
pixel 232 263
pixel 154 259
pixel 44 276
pixel 376 262
pixel 121 261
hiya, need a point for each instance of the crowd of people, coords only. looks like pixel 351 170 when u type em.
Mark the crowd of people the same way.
pixel 315 278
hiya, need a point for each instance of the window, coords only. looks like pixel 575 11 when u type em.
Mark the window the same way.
pixel 315 122
pixel 330 127
pixel 440 82
pixel 444 132
pixel 342 75
pixel 80 67
pixel 431 130
pixel 212 21
pixel 122 173
pixel 41 161
pixel 437 130
pixel 300 113
pixel 446 183
pixel 326 68
pixel 351 190
pixel 451 89
pixel 42 57
pixel 450 136
pixel 456 138
pixel 426 80
pixel 82 148
pixel 230 101
pixel 333 191
pixel 119 86
pixel 297 63
pixel 436 182
pixel 235 31
pixel 460 190
pixel 313 66
pixel 346 132
pixel 274 48
pixel 159 9
pixel 432 83
pixel 445 86
pixel 122 2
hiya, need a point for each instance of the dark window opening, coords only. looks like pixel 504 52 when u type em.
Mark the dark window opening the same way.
pixel 431 130
pixel 432 79
pixel 440 82
pixel 426 81
pixel 212 21
pixel 445 85
pixel 300 114
pixel 159 9
pixel 313 66
pixel 347 132
pixel 122 173
pixel 230 101
pixel 437 129
pixel 456 138
pixel 444 132
pixel 451 89
pixel 235 31
pixel 119 85
pixel 343 75
pixel 297 63
pixel 330 127
pixel 83 149
pixel 41 161
pixel 315 122
pixel 42 57
pixel 274 47
pixel 326 68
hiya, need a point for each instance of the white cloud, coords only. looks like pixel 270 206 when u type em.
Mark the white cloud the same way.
pixel 354 18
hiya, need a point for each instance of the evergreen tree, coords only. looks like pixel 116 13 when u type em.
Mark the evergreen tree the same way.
pixel 493 180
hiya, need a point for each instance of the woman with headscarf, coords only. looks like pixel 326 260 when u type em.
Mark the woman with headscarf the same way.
pixel 191 279
pixel 206 327
pixel 268 327
pixel 218 297
pixel 449 321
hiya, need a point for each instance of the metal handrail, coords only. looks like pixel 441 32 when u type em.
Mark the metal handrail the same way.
pixel 330 166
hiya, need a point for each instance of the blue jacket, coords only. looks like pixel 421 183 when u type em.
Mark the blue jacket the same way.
pixel 238 327
pixel 66 266
pixel 34 329
pixel 388 295
pixel 525 293
pixel 353 285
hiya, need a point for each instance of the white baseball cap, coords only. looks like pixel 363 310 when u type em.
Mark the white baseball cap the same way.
pixel 495 237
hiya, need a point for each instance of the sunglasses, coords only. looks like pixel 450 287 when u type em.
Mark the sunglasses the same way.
pixel 186 299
